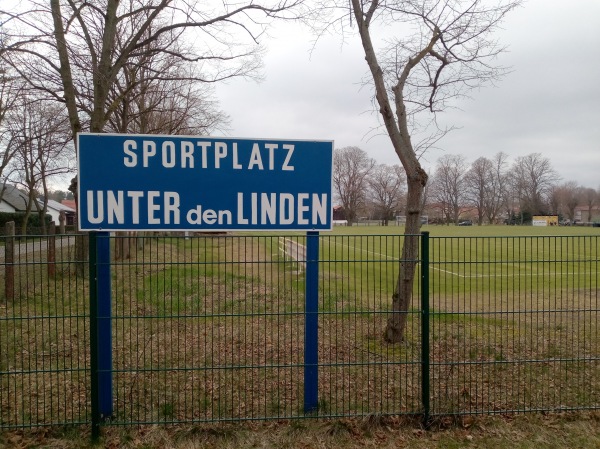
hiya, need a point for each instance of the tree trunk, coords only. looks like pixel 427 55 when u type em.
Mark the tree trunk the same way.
pixel 123 245
pixel 398 131
pixel 396 325
pixel 140 240
pixel 81 243
pixel 81 247
pixel 42 214
pixel 30 201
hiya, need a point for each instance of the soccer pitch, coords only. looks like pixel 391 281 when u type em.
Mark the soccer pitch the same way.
pixel 486 259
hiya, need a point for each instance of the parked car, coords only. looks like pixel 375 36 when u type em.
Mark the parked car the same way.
pixel 465 223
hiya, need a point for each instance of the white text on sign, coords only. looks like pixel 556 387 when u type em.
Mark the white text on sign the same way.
pixel 201 154
pixel 163 208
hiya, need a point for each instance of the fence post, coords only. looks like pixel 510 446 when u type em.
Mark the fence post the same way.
pixel 93 280
pixel 100 329
pixel 62 218
pixel 425 356
pixel 9 260
pixel 311 324
pixel 51 242
pixel 81 253
pixel 105 380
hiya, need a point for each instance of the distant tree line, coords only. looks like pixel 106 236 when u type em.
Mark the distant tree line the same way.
pixel 365 188
pixel 488 190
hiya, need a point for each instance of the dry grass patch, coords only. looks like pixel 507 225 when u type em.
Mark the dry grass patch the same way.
pixel 581 430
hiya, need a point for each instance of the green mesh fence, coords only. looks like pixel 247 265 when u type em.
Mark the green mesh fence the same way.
pixel 212 328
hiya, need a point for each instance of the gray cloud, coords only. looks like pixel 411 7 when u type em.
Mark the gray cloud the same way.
pixel 549 103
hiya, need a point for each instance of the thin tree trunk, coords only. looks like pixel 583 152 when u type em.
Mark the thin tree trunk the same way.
pixel 396 124
pixel 81 247
pixel 396 325
pixel 30 200
pixel 9 259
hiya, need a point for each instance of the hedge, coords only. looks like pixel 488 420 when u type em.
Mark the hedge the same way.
pixel 18 217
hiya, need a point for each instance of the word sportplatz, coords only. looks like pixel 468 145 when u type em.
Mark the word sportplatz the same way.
pixel 167 182
pixel 183 154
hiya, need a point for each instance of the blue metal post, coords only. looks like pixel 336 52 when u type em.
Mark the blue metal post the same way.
pixel 311 326
pixel 93 265
pixel 105 381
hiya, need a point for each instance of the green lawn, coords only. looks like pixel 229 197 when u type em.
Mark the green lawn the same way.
pixel 476 258
pixel 470 231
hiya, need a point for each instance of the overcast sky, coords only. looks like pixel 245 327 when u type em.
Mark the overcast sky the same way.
pixel 549 104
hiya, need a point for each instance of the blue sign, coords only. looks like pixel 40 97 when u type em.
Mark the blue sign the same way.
pixel 152 182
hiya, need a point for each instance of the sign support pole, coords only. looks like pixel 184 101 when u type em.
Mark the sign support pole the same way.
pixel 93 265
pixel 311 324
pixel 105 381
pixel 100 329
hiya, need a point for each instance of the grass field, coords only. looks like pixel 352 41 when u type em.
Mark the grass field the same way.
pixel 212 328
pixel 471 231
pixel 493 259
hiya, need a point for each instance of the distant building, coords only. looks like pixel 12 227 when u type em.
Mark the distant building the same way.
pixel 437 213
pixel 582 214
pixel 54 210
pixel 69 203
pixel 544 220
pixel 339 213
pixel 14 200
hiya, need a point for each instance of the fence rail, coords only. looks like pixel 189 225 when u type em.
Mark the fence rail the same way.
pixel 214 327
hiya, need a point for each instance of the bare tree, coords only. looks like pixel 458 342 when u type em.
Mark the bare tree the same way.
pixel 476 183
pixel 450 53
pixel 10 92
pixel 486 183
pixel 75 51
pixel 590 198
pixel 159 93
pixel 511 199
pixel 449 185
pixel 564 198
pixel 497 187
pixel 534 178
pixel 41 140
pixel 351 169
pixel 387 187
pixel 555 200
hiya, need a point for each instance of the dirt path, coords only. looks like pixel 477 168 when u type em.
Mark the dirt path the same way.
pixel 39 245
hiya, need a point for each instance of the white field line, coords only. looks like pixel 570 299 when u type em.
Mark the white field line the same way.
pixel 449 272
pixel 513 275
pixel 367 251
pixel 474 276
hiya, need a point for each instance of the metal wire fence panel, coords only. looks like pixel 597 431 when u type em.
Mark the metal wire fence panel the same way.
pixel 207 328
pixel 44 358
pixel 514 324
pixel 212 327
pixel 360 373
